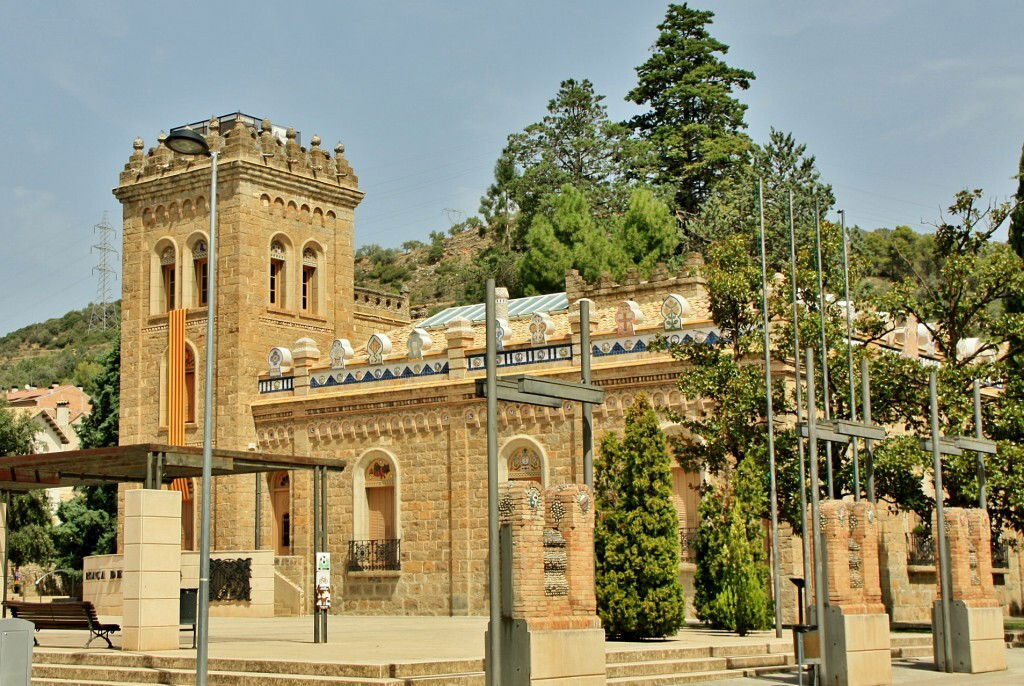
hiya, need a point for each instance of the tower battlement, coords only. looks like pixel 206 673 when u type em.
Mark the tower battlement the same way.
pixel 241 140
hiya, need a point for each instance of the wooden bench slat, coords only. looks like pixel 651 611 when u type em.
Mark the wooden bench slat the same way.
pixel 74 615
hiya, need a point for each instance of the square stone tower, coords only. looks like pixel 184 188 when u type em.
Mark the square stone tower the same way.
pixel 285 271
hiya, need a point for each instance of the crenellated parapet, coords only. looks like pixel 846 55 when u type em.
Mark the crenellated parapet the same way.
pixel 263 146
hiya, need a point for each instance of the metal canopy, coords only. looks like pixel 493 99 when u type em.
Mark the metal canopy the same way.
pixel 148 463
pixel 562 390
pixel 508 391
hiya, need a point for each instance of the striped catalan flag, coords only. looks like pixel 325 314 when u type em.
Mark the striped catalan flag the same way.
pixel 176 377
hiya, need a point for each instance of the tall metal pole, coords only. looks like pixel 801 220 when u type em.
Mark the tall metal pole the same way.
pixel 869 447
pixel 945 576
pixel 982 489
pixel 805 539
pixel 203 614
pixel 824 348
pixel 7 542
pixel 323 540
pixel 316 549
pixel 588 409
pixel 849 354
pixel 820 582
pixel 776 564
pixel 493 563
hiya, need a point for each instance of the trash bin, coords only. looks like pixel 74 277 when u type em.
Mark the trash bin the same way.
pixel 187 610
pixel 16 639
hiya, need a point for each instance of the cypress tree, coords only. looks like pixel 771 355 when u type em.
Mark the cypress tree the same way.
pixel 1016 238
pixel 636 538
pixel 732 570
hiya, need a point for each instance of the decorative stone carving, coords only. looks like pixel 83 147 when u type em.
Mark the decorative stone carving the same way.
pixel 167 256
pixel 279 359
pixel 419 340
pixel 377 348
pixel 502 333
pixel 541 327
pixel 341 350
pixel 627 316
pixel 674 310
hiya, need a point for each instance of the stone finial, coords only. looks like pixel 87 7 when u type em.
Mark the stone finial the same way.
pixel 627 316
pixel 502 333
pixel 341 350
pixel 317 157
pixel 315 141
pixel 265 125
pixel 214 125
pixel 339 148
pixel 674 309
pixel 139 144
pixel 377 348
pixel 501 302
pixel 541 327
pixel 341 166
pixel 419 340
pixel 306 347
pixel 632 277
pixel 279 360
pixel 268 142
pixel 290 133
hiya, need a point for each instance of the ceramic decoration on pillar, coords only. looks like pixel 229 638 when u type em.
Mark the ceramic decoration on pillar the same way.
pixel 279 360
pixel 419 340
pixel 341 350
pixel 541 327
pixel 674 310
pixel 377 348
pixel 502 333
pixel 627 316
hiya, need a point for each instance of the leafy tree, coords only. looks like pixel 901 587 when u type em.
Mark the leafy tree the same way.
pixel 88 521
pixel 30 517
pixel 895 255
pixel 649 233
pixel 1017 214
pixel 693 122
pixel 636 537
pixel 732 579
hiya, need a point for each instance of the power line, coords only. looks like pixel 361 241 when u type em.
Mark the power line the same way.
pixel 102 314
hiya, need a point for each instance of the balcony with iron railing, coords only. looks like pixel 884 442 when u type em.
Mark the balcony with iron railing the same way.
pixel 921 549
pixel 382 555
pixel 688 544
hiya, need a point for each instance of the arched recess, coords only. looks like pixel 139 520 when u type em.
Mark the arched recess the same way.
pixel 311 293
pixel 186 486
pixel 685 483
pixel 522 458
pixel 191 408
pixel 281 255
pixel 281 506
pixel 377 495
pixel 164 286
pixel 194 268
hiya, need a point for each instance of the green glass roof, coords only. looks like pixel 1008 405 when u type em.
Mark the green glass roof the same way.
pixel 517 307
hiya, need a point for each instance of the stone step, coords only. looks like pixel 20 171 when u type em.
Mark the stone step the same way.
pixel 656 667
pixel 673 679
pixel 186 677
pixel 754 661
pixel 643 654
pixel 912 652
pixel 899 640
pixel 80 682
pixel 743 649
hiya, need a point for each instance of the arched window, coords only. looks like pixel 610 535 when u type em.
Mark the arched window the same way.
pixel 167 277
pixel 200 270
pixel 309 279
pixel 280 498
pixel 190 385
pixel 277 274
pixel 380 500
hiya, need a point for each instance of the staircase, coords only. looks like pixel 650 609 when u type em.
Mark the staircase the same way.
pixel 629 666
pixel 104 668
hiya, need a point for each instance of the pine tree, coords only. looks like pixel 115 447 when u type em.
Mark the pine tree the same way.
pixel 636 537
pixel 649 233
pixel 732 573
pixel 693 122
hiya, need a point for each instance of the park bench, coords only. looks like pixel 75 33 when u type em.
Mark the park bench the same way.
pixel 64 615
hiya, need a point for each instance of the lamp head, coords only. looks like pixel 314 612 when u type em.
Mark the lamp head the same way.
pixel 187 142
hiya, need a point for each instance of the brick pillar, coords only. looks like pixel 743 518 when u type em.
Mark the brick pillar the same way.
pixel 152 569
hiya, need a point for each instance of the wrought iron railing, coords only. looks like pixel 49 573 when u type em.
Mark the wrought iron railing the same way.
pixel 921 549
pixel 1000 554
pixel 688 544
pixel 374 556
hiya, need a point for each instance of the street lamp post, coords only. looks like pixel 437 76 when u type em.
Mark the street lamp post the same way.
pixel 188 142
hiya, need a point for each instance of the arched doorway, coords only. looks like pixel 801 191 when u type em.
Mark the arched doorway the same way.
pixel 280 500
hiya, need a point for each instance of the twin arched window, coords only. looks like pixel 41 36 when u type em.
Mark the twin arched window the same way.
pixel 168 278
pixel 280 294
pixel 201 273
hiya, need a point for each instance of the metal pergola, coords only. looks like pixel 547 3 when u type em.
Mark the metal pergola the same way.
pixel 153 465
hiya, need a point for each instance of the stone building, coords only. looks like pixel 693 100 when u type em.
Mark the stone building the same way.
pixel 309 364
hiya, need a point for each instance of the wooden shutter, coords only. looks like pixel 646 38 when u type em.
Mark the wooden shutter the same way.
pixel 380 505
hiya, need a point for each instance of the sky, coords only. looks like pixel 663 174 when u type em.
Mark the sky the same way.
pixel 902 102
